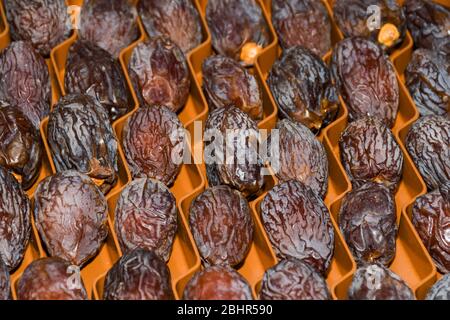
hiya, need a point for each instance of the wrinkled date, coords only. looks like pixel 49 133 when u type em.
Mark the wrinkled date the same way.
pixel 71 216
pixel 222 226
pixel 226 83
pixel 366 80
pixel 44 23
pixel 92 70
pixel 146 217
pixel 25 81
pixel 217 283
pixel 15 217
pixel 151 137
pixel 20 146
pixel 293 280
pixel 428 143
pixel 367 220
pixel 428 80
pixel 81 138
pixel 138 275
pixel 160 73
pixel 431 217
pixel 5 282
pixel 51 279
pixel 177 20
pixel 440 290
pixel 369 152
pixel 301 86
pixel 302 23
pixel 109 24
pixel 376 282
pixel 298 224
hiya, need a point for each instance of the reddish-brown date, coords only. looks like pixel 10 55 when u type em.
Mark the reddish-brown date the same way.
pixel 440 290
pixel 5 282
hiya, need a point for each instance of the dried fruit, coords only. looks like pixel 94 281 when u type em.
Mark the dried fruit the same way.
pixel 440 290
pixel 428 143
pixel 51 279
pixel 293 280
pixel 25 81
pixel 376 282
pixel 177 20
pixel 369 152
pixel 138 275
pixel 301 86
pixel 217 283
pixel 160 73
pixel 365 77
pixel 5 282
pixel 298 224
pixel 71 216
pixel 222 226
pixel 146 217
pixel 152 136
pixel 227 83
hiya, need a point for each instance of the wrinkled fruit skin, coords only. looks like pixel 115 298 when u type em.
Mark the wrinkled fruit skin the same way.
pixel 44 23
pixel 243 174
pixel 428 143
pixel 302 23
pixel 109 24
pixel 431 217
pixel 20 146
pixel 367 220
pixel 177 20
pixel 217 283
pixel 92 70
pixel 5 282
pixel 25 81
pixel 376 282
pixel 428 80
pixel 301 86
pixel 49 279
pixel 228 83
pixel 160 73
pixel 138 275
pixel 71 216
pixel 150 137
pixel 302 157
pixel 222 226
pixel 366 79
pixel 146 217
pixel 369 152
pixel 292 279
pixel 440 290
pixel 15 217
pixel 298 225
pixel 81 138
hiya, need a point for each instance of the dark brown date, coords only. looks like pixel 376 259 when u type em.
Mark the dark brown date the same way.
pixel 292 279
pixel 365 77
pixel 222 226
pixel 301 86
pixel 160 73
pixel 177 20
pixel 71 216
pixel 428 143
pixel 44 23
pixel 51 279
pixel 15 217
pixel 302 23
pixel 151 136
pixel 440 290
pixel 227 83
pixel 369 152
pixel 298 224
pixel 376 282
pixel 146 217
pixel 5 282
pixel 92 70
pixel 217 283
pixel 25 81
pixel 109 24
pixel 138 275
pixel 428 80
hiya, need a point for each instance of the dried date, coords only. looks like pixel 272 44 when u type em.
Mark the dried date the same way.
pixel 5 282
pixel 440 290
